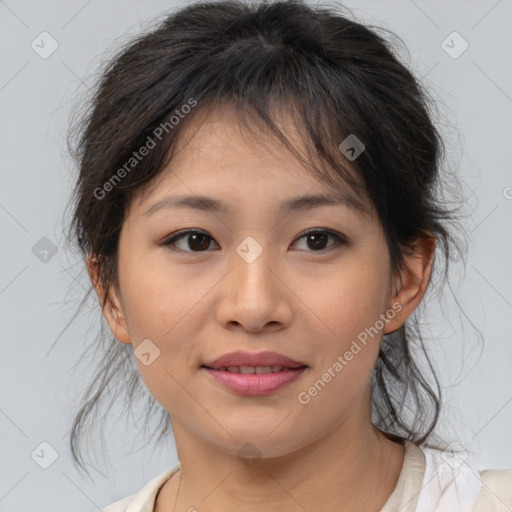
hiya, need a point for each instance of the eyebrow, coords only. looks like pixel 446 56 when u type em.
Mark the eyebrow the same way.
pixel 301 203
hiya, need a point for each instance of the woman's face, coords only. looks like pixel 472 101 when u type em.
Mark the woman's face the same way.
pixel 254 282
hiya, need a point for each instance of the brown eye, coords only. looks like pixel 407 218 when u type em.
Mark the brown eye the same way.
pixel 317 240
pixel 198 241
pixel 191 241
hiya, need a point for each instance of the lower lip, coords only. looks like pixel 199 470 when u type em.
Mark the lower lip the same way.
pixel 256 383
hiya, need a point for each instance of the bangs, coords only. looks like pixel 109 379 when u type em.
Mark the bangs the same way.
pixel 267 120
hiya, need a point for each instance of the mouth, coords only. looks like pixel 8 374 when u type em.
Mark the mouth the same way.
pixel 259 370
pixel 246 362
pixel 254 373
pixel 254 380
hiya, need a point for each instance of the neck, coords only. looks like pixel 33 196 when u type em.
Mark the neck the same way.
pixel 340 472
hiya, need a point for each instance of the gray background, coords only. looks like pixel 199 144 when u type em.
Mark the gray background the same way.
pixel 37 298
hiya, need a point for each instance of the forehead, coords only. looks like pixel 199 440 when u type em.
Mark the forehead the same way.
pixel 223 157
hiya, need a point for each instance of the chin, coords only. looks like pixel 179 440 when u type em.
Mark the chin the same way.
pixel 255 443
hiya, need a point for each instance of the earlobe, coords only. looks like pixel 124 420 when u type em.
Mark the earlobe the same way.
pixel 110 303
pixel 413 281
pixel 115 317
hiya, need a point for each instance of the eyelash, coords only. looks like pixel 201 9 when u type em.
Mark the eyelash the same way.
pixel 169 241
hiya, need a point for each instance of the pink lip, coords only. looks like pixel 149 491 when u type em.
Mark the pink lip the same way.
pixel 243 358
pixel 254 383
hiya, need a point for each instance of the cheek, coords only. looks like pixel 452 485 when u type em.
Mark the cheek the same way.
pixel 159 307
pixel 349 305
pixel 155 295
pixel 351 299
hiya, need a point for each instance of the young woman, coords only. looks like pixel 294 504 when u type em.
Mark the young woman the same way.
pixel 258 205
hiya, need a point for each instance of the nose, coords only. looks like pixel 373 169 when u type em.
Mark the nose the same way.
pixel 254 295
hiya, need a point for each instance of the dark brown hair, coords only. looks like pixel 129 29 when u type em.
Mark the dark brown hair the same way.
pixel 334 77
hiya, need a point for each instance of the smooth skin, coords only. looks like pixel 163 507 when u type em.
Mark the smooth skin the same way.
pixel 201 299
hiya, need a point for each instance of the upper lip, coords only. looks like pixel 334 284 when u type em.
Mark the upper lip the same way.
pixel 242 358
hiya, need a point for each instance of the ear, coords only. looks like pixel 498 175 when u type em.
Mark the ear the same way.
pixel 110 303
pixel 410 286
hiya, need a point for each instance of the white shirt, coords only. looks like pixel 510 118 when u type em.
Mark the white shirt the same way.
pixel 430 481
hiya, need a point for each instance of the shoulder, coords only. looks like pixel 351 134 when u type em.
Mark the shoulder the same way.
pixel 451 483
pixel 496 492
pixel 144 499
